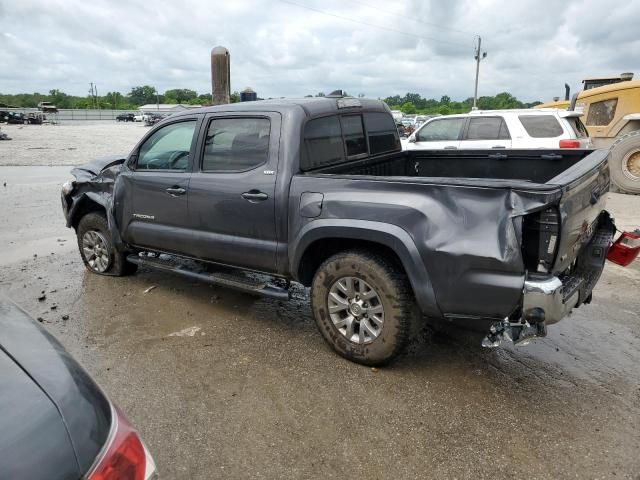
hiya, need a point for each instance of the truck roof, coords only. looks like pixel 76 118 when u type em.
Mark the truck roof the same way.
pixel 312 106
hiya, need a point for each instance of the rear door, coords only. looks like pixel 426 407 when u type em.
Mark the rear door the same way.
pixel 232 190
pixel 155 187
pixel 439 134
pixel 485 133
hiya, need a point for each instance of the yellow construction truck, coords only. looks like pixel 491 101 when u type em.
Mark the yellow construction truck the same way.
pixel 611 113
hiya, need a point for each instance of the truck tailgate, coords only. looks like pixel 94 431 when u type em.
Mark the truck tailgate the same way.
pixel 584 188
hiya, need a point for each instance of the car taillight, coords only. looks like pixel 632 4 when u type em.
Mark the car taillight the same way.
pixel 125 457
pixel 625 249
pixel 569 143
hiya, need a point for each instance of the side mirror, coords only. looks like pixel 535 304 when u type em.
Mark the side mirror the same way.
pixel 412 138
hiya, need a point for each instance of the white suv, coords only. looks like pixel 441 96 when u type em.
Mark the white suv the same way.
pixel 541 128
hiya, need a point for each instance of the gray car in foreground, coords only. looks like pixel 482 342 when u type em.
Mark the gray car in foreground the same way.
pixel 55 421
pixel 258 194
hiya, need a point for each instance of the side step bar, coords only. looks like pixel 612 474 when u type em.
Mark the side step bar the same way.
pixel 223 280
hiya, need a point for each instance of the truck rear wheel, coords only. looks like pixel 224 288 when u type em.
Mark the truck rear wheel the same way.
pixel 363 305
pixel 97 250
pixel 625 162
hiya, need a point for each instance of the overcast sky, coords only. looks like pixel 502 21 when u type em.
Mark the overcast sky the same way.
pixel 282 49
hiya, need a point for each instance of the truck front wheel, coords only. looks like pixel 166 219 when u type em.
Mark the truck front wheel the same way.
pixel 97 250
pixel 625 162
pixel 363 305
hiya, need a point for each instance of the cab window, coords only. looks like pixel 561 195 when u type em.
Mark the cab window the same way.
pixel 602 113
pixel 487 128
pixel 441 130
pixel 382 132
pixel 541 126
pixel 169 148
pixel 236 144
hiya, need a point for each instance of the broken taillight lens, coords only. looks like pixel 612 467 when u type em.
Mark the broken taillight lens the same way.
pixel 625 249
pixel 126 457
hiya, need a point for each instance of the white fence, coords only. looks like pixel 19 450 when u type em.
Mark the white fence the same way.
pixel 74 113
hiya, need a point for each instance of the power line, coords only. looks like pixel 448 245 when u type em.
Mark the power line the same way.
pixel 317 10
pixel 416 20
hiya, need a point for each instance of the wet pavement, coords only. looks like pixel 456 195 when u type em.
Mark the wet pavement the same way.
pixel 222 384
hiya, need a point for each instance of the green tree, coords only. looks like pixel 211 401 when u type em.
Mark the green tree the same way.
pixel 408 108
pixel 142 95
pixel 180 95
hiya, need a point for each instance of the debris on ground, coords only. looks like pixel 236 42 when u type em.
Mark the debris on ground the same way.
pixel 185 332
pixel 65 317
pixel 150 288
pixel 42 297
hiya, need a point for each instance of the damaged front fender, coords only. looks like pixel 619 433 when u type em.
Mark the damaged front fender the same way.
pixel 93 191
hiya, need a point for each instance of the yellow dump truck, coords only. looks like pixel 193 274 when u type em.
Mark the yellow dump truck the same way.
pixel 611 113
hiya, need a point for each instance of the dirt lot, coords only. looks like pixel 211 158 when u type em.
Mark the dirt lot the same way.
pixel 68 143
pixel 222 384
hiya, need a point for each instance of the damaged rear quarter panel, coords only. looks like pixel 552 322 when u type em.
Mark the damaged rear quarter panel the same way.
pixel 467 236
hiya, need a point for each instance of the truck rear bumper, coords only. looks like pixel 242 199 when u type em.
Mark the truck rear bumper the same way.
pixel 545 299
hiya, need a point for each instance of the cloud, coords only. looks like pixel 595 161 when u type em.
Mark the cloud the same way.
pixel 280 48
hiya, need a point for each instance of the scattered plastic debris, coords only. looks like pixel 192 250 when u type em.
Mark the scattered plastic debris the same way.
pixel 150 288
pixel 185 332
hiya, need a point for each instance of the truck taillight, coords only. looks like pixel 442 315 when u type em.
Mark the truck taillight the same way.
pixel 569 143
pixel 625 249
pixel 125 457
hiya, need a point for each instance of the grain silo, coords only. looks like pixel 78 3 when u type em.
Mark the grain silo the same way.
pixel 220 76
pixel 248 95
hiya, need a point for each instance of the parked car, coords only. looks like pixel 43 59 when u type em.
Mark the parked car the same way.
pixel 36 118
pixel 56 423
pixel 153 118
pixel 544 128
pixel 125 117
pixel 318 191
pixel 138 117
pixel 16 118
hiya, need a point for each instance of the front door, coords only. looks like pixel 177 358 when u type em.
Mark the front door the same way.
pixel 232 191
pixel 157 183
pixel 439 134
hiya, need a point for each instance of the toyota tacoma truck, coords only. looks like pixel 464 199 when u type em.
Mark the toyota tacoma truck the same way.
pixel 318 191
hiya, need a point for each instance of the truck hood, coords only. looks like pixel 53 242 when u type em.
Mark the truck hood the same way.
pixel 99 164
pixel 55 402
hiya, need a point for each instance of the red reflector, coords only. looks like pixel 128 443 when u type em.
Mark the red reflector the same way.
pixel 625 249
pixel 569 143
pixel 125 457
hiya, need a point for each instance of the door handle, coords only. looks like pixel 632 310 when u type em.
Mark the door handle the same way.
pixel 255 196
pixel 451 147
pixel 175 191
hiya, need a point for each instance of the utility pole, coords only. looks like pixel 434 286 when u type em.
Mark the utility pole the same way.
pixel 479 55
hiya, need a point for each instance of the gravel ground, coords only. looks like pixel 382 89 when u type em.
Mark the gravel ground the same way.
pixel 68 143
pixel 225 385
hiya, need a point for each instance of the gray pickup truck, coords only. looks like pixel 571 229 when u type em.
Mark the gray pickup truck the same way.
pixel 318 191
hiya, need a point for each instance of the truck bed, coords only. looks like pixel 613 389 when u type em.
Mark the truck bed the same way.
pixel 535 166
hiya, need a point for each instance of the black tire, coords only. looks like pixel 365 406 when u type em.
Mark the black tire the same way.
pixel 626 150
pixel 95 224
pixel 391 285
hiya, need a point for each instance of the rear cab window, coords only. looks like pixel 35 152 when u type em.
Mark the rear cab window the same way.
pixel 339 138
pixel 541 126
